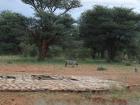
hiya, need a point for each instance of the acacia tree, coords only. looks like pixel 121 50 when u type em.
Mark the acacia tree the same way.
pixel 111 29
pixel 91 30
pixel 12 29
pixel 47 26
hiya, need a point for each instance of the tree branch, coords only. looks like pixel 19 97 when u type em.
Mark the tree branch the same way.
pixel 64 12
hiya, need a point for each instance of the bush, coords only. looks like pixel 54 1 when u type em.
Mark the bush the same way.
pixel 84 53
pixel 80 53
pixel 28 50
pixel 101 68
pixel 55 51
pixel 9 62
pixel 128 64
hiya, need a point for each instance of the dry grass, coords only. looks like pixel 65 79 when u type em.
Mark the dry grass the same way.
pixel 69 98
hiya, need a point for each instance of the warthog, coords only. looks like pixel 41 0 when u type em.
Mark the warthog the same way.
pixel 71 62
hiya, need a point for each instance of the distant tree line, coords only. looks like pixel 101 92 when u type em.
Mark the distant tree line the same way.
pixel 110 31
pixel 102 32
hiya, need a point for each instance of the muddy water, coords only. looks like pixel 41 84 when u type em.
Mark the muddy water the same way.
pixel 49 98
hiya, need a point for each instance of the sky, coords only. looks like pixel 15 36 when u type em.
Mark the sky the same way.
pixel 19 7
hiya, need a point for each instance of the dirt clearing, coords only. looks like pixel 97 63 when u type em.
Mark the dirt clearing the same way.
pixel 114 72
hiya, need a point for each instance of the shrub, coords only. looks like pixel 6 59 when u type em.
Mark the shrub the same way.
pixel 28 50
pixel 101 68
pixel 9 62
pixel 80 53
pixel 55 51
pixel 128 64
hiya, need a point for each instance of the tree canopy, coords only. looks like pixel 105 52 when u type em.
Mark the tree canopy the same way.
pixel 12 29
pixel 103 32
pixel 51 21
pixel 109 29
pixel 53 6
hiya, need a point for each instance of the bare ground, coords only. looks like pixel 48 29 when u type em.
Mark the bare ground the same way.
pixel 122 74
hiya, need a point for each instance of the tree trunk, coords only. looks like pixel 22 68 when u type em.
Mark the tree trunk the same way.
pixel 111 54
pixel 93 53
pixel 43 50
pixel 103 54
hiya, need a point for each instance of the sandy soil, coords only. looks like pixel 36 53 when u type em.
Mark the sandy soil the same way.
pixel 38 98
pixel 123 74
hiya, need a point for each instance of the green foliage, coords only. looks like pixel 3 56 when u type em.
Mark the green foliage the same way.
pixel 55 51
pixel 53 5
pixel 107 33
pixel 52 22
pixel 12 29
pixel 83 53
pixel 28 50
pixel 109 29
pixel 128 64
